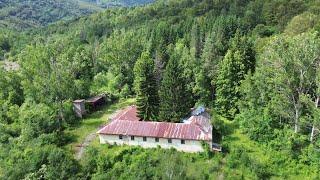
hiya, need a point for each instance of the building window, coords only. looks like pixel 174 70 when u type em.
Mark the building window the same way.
pixel 183 141
pixel 157 139
pixel 144 138
pixel 120 136
pixel 169 140
pixel 132 138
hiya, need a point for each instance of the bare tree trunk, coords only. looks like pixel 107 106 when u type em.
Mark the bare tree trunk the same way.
pixel 95 53
pixel 296 118
pixel 313 126
pixel 312 133
pixel 296 126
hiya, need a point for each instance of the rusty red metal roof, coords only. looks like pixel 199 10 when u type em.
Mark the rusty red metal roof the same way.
pixel 129 114
pixel 156 129
pixel 126 122
pixel 203 121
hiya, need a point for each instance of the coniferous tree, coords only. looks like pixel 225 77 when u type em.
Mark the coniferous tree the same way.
pixel 188 66
pixel 196 40
pixel 146 88
pixel 206 71
pixel 174 99
pixel 238 61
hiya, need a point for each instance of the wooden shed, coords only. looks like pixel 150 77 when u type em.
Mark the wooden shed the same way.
pixel 96 101
pixel 79 107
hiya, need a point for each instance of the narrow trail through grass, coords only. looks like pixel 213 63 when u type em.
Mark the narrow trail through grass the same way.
pixel 84 133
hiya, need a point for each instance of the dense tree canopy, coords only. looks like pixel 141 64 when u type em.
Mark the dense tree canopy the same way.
pixel 253 63
pixel 238 61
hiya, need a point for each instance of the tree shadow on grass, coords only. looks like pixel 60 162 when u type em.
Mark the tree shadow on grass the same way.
pixel 95 120
pixel 97 114
pixel 69 138
pixel 226 130
pixel 109 108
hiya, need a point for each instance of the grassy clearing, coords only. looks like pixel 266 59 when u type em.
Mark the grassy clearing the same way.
pixel 254 149
pixel 234 138
pixel 241 156
pixel 219 165
pixel 92 122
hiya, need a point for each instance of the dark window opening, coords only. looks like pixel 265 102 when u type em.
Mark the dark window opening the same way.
pixel 120 136
pixel 169 140
pixel 132 138
pixel 144 138
pixel 183 141
pixel 157 139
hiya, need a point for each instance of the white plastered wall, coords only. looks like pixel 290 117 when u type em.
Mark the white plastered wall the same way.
pixel 189 146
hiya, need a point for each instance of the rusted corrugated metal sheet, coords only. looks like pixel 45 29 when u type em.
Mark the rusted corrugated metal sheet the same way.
pixel 127 123
pixel 156 129
pixel 201 121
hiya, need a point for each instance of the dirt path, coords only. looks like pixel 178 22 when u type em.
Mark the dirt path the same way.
pixel 85 143
pixel 86 133
pixel 80 150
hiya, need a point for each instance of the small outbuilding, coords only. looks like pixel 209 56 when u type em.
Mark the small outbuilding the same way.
pixel 79 107
pixel 96 101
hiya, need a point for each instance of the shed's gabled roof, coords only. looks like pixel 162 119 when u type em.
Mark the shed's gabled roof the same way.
pixel 95 99
pixel 126 122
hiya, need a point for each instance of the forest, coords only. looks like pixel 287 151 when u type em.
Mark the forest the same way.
pixel 254 63
pixel 119 3
pixel 25 14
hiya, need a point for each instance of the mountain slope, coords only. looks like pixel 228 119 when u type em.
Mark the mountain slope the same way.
pixel 21 14
pixel 122 3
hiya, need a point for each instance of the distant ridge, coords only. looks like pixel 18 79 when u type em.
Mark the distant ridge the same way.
pixel 24 14
pixel 119 3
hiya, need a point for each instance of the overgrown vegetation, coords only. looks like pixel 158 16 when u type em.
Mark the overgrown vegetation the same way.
pixel 254 63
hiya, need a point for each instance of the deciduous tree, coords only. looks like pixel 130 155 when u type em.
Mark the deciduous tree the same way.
pixel 238 61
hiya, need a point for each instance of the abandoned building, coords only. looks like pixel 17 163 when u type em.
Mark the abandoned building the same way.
pixel 125 128
pixel 96 101
pixel 82 106
pixel 79 107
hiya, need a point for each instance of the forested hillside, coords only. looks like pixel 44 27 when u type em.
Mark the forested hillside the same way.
pixel 254 63
pixel 122 3
pixel 21 14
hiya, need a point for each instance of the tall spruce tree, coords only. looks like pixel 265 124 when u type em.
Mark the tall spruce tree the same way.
pixel 174 99
pixel 206 71
pixel 238 61
pixel 146 88
pixel 196 40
